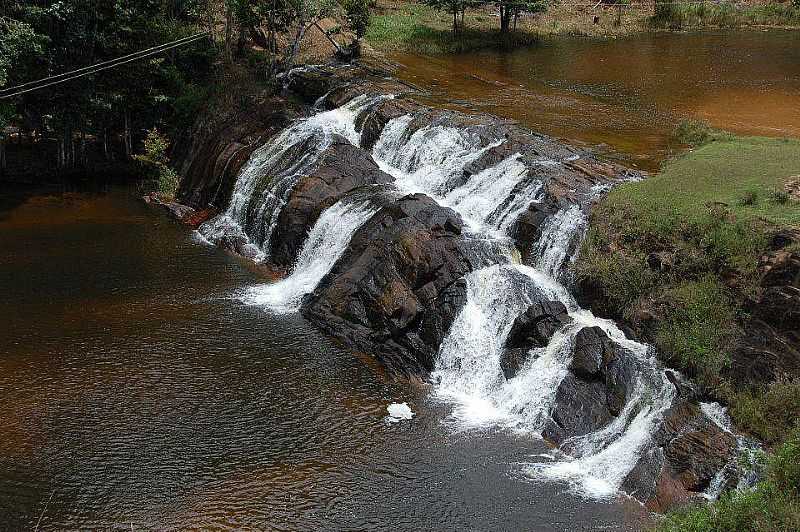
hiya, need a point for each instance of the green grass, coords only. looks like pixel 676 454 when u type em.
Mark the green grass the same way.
pixel 421 29
pixel 676 256
pixel 772 506
pixel 724 14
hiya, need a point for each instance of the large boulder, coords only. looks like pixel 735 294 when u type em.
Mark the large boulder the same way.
pixel 599 383
pixel 340 169
pixel 688 450
pixel 399 285
pixel 533 328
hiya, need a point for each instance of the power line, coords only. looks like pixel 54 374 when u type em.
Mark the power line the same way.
pixel 98 67
pixel 9 89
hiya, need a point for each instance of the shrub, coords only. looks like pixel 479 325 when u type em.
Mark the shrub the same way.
pixel 781 197
pixel 357 12
pixel 770 413
pixel 155 164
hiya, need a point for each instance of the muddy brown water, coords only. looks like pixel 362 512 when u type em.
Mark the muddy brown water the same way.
pixel 137 392
pixel 630 93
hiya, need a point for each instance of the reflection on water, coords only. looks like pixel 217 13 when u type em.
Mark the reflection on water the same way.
pixel 628 93
pixel 136 392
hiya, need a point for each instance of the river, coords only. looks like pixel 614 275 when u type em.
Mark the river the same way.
pixel 136 392
pixel 141 389
pixel 628 94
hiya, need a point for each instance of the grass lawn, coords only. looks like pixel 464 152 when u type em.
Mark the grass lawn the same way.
pixel 746 176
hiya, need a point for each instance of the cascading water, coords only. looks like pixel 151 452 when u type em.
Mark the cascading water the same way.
pixel 468 374
pixel 326 242
pixel 265 182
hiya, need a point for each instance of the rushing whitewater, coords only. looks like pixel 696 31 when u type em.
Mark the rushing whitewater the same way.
pixel 468 372
pixel 434 160
pixel 265 182
pixel 325 243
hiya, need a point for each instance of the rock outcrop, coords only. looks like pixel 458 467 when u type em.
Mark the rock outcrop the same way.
pixel 340 169
pixel 533 328
pixel 687 452
pixel 399 285
pixel 596 388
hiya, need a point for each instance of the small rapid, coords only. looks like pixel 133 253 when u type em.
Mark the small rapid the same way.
pixel 434 159
pixel 325 243
pixel 269 175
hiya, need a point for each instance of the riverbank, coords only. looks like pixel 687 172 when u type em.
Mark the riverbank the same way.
pixel 703 261
pixel 401 26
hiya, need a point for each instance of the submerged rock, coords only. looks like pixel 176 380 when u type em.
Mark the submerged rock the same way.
pixel 533 328
pixel 397 288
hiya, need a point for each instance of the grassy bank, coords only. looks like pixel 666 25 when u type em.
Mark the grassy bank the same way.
pixel 409 26
pixel 725 15
pixel 676 257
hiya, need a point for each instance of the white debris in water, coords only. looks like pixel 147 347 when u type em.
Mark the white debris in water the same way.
pixel 326 242
pixel 399 412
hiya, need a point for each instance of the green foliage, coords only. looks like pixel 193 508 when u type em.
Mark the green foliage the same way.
pixel 773 505
pixel 698 328
pixel 358 17
pixel 708 242
pixel 155 164
pixel 697 133
pixel 769 414
pixel 41 38
pixel 724 14
pixel 781 197
pixel 413 31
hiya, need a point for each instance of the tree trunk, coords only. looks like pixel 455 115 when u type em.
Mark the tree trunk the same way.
pixel 505 18
pixel 2 156
pixel 301 32
pixel 455 21
pixel 127 136
pixel 228 34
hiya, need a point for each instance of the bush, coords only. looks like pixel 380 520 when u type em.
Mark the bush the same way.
pixel 357 12
pixel 698 328
pixel 155 164
pixel 781 197
pixel 770 414
pixel 749 198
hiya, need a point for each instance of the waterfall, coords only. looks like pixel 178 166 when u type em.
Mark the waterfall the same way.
pixel 558 241
pixel 326 242
pixel 433 160
pixel 265 182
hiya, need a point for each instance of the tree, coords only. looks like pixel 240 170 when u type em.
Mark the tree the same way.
pixel 454 7
pixel 511 9
pixel 357 12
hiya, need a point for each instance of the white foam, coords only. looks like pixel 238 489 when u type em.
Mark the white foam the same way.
pixel 326 242
pixel 399 412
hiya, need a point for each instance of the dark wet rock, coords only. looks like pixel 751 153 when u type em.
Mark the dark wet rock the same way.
pixel 592 353
pixel 371 124
pixel 533 328
pixel 687 452
pixel 396 290
pixel 342 168
pixel 209 156
pixel 596 389
pixel 527 229
pixel 580 407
